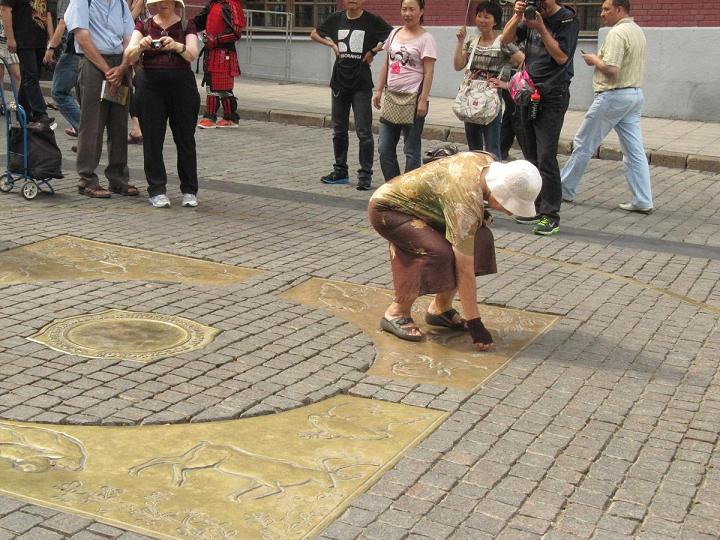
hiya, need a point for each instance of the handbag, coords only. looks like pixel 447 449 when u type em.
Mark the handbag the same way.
pixel 476 101
pixel 521 87
pixel 398 108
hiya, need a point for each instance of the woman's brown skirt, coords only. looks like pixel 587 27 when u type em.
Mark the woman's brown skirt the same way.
pixel 422 259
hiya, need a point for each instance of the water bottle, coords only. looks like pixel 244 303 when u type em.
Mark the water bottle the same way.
pixel 534 105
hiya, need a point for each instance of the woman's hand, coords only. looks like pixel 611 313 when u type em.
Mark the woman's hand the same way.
pixel 422 108
pixel 145 43
pixel 168 43
pixel 494 82
pixel 481 338
pixel 377 99
pixel 461 33
pixel 49 57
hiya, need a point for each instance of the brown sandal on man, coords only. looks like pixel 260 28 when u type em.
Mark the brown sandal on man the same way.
pixel 126 191
pixel 94 192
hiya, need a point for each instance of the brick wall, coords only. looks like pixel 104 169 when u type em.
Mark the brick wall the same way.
pixel 647 12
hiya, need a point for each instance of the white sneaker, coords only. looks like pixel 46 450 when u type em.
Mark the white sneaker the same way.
pixel 160 201
pixel 190 200
pixel 630 207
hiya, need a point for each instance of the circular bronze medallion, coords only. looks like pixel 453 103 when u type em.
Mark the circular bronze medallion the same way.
pixel 126 335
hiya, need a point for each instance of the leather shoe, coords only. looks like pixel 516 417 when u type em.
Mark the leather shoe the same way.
pixel 630 207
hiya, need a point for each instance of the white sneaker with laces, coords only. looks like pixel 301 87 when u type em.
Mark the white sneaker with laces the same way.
pixel 160 201
pixel 189 200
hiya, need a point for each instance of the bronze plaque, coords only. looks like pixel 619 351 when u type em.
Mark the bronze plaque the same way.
pixel 446 357
pixel 68 258
pixel 284 476
pixel 127 335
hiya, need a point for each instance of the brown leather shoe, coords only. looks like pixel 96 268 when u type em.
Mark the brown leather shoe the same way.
pixel 94 192
pixel 127 191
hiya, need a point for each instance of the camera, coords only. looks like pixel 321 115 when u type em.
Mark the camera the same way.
pixel 155 44
pixel 531 9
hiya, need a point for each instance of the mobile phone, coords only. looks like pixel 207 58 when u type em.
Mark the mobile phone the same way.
pixel 582 52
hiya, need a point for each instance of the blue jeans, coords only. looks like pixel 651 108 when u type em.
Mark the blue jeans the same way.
pixel 360 102
pixel 618 110
pixel 64 80
pixel 485 138
pixel 387 143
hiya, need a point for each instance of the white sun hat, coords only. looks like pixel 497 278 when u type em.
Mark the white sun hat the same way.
pixel 515 185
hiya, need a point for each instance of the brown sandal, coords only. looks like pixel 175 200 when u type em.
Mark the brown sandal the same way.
pixel 127 191
pixel 94 192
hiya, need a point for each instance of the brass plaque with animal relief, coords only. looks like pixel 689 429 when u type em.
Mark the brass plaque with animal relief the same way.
pixel 284 476
pixel 68 258
pixel 445 357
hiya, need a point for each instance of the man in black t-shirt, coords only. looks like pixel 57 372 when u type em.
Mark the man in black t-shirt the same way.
pixel 355 36
pixel 29 27
pixel 550 41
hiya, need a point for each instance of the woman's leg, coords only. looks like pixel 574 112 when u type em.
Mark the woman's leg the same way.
pixel 413 145
pixel 473 135
pixel 387 148
pixel 153 115
pixel 184 106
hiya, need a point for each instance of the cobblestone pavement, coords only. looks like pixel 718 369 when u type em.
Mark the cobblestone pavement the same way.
pixel 605 427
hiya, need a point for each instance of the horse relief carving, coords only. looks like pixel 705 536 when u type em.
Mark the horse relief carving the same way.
pixel 262 476
pixel 372 425
pixel 36 450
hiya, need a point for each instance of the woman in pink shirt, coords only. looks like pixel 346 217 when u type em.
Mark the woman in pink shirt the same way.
pixel 408 67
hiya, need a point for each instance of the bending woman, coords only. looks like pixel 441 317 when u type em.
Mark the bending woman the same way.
pixel 409 67
pixel 491 61
pixel 167 93
pixel 439 240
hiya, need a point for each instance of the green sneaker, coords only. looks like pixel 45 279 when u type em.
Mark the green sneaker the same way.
pixel 527 220
pixel 547 227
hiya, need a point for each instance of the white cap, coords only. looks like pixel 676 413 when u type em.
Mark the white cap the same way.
pixel 515 185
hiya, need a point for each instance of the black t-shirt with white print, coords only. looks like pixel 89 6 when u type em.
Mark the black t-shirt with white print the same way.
pixel 354 38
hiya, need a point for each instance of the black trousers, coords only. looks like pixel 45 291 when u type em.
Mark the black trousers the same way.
pixel 508 129
pixel 30 95
pixel 539 140
pixel 168 96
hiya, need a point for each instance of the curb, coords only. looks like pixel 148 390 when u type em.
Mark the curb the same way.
pixel 454 134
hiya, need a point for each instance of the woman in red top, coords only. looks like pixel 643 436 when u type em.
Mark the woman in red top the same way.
pixel 167 93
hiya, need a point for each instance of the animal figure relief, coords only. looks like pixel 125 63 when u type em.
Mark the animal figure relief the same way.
pixel 334 424
pixel 264 476
pixel 337 297
pixel 36 450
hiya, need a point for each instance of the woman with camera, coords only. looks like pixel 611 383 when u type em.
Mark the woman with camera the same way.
pixel 492 61
pixel 408 68
pixel 167 93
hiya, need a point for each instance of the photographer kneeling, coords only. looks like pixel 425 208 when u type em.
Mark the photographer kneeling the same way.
pixel 549 31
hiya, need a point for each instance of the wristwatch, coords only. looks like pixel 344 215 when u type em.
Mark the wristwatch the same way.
pixel 51 48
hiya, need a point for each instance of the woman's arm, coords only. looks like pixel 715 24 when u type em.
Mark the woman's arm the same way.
pixel 460 57
pixel 428 74
pixel 138 43
pixel 467 290
pixel 517 59
pixel 377 97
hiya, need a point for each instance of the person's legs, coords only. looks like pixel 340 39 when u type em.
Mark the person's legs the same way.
pixel 473 136
pixel 593 130
pixel 30 95
pixel 491 136
pixel 184 107
pixel 229 105
pixel 65 79
pixel 637 171
pixel 548 126
pixel 93 115
pixel 340 118
pixel 507 128
pixel 117 171
pixel 362 113
pixel 413 144
pixel 153 115
pixel 388 138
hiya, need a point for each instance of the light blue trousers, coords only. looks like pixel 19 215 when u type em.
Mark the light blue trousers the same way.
pixel 618 110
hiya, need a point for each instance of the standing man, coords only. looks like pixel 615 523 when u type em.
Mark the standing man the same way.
pixel 355 36
pixel 29 27
pixel 65 75
pixel 102 31
pixel 550 34
pixel 619 70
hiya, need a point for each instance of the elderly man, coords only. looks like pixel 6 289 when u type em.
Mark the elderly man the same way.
pixel 102 31
pixel 550 35
pixel 619 69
